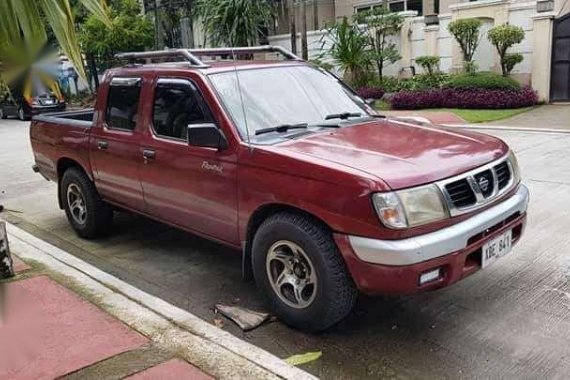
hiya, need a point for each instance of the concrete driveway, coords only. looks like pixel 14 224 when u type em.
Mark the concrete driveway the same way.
pixel 550 116
pixel 510 321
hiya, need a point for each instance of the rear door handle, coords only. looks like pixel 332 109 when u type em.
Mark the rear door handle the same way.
pixel 148 154
pixel 102 144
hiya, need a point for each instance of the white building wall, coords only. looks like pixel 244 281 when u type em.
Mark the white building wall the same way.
pixel 519 14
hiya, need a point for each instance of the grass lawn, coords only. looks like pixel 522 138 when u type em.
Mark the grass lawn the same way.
pixel 469 115
pixel 482 116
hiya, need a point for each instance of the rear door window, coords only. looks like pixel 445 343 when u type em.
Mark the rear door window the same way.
pixel 123 103
pixel 177 104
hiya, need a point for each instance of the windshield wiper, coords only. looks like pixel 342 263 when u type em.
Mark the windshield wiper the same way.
pixel 282 128
pixel 343 115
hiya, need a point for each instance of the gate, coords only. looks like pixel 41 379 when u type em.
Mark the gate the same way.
pixel 560 74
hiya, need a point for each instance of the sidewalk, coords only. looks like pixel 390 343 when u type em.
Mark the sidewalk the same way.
pixel 65 318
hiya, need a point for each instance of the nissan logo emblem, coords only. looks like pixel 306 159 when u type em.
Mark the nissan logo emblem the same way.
pixel 483 183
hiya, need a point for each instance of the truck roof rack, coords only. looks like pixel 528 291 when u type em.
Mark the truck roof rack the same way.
pixel 191 55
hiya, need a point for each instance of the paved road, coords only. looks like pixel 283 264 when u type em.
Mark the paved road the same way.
pixel 510 321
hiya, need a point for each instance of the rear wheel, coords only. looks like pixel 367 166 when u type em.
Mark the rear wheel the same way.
pixel 298 268
pixel 22 114
pixel 89 216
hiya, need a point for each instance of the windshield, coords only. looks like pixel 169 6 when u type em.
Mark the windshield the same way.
pixel 283 95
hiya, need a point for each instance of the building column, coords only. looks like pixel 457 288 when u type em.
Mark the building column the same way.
pixel 430 34
pixel 405 40
pixel 542 54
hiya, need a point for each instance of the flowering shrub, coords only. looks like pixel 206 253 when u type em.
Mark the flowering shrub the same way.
pixel 370 92
pixel 465 98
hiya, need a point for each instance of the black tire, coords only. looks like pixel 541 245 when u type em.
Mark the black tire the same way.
pixel 335 291
pixel 98 215
pixel 3 115
pixel 22 115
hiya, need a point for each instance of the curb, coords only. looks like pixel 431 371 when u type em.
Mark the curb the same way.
pixel 214 350
pixel 504 128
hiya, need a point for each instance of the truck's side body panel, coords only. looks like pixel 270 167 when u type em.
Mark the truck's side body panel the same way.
pixel 52 143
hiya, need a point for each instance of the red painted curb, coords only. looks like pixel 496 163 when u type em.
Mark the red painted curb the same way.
pixel 50 331
pixel 174 369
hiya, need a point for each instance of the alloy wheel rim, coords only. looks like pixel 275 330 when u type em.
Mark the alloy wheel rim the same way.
pixel 76 203
pixel 291 274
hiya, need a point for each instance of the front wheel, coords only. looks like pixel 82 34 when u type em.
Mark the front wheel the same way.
pixel 3 114
pixel 298 268
pixel 89 216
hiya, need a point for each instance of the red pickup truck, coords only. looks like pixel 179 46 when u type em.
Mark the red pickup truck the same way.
pixel 281 160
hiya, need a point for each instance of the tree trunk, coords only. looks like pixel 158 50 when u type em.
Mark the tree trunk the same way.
pixel 316 25
pixel 93 70
pixel 304 44
pixel 156 26
pixel 293 26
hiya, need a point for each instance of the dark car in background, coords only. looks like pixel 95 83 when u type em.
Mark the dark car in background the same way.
pixel 35 97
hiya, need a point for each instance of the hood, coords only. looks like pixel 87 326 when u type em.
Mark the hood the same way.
pixel 402 154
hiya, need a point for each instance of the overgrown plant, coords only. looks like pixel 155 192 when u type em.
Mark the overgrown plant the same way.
pixel 23 33
pixel 234 22
pixel 129 31
pixel 347 46
pixel 503 37
pixel 466 33
pixel 381 24
pixel 430 63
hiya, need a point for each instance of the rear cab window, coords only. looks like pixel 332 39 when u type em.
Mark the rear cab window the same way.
pixel 122 109
pixel 177 104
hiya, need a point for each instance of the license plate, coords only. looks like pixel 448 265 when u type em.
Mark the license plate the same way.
pixel 48 101
pixel 496 248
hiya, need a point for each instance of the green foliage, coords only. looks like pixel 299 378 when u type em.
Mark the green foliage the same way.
pixel 510 60
pixel 466 33
pixel 503 37
pixel 381 24
pixel 323 65
pixel 416 83
pixel 234 22
pixel 484 80
pixel 129 31
pixel 430 63
pixel 348 49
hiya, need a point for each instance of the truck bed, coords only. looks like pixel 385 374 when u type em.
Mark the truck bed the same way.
pixel 61 136
pixel 81 118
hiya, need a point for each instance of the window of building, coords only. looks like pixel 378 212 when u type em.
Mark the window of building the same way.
pixel 177 104
pixel 123 103
pixel 396 6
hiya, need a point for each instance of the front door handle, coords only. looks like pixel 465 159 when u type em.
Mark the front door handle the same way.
pixel 102 144
pixel 148 154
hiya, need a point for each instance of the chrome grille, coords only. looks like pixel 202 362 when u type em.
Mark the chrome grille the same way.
pixel 461 193
pixel 503 174
pixel 474 189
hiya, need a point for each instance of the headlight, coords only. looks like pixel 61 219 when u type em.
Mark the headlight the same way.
pixel 515 167
pixel 411 207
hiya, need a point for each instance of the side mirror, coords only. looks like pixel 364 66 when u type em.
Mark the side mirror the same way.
pixel 207 135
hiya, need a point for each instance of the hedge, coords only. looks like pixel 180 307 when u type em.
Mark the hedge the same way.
pixel 464 98
pixel 370 92
pixel 483 80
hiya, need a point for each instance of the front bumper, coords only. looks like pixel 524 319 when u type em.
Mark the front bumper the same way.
pixel 394 266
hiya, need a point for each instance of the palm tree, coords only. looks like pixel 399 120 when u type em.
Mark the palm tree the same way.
pixel 234 22
pixel 23 32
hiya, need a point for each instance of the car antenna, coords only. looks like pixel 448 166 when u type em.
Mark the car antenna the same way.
pixel 243 108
